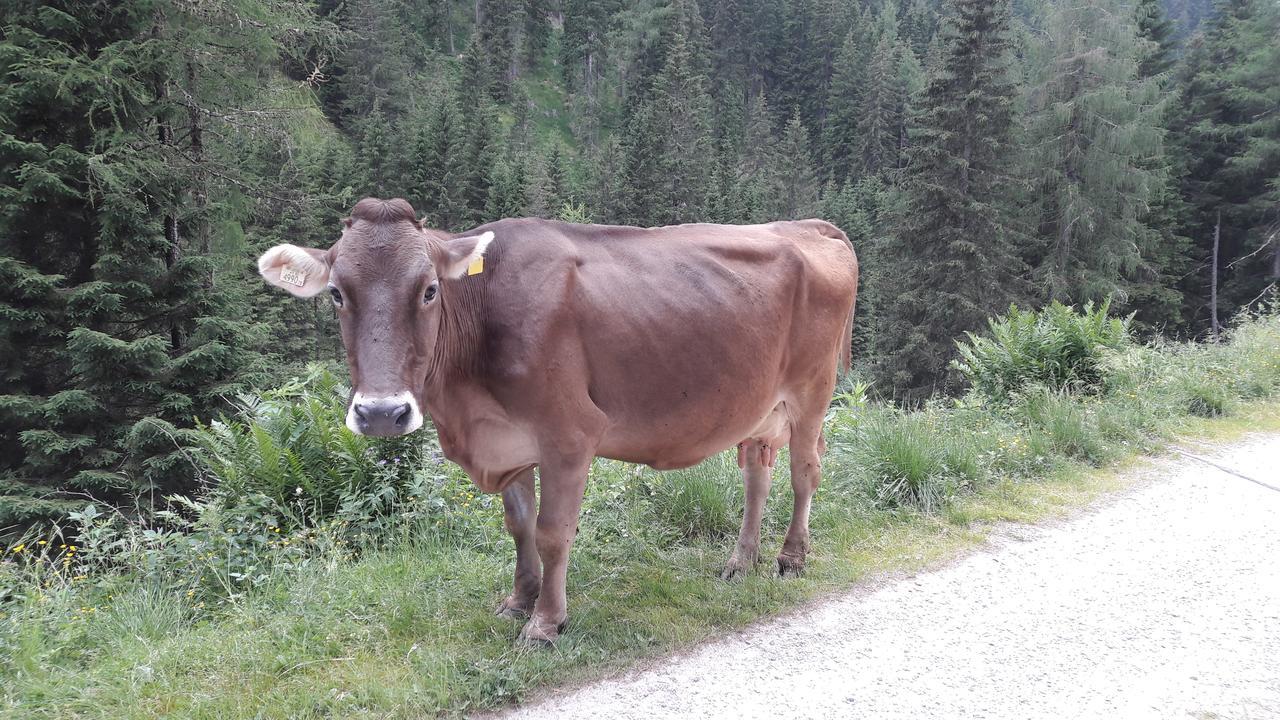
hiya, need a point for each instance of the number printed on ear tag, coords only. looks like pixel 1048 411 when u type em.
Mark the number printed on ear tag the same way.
pixel 476 267
pixel 293 276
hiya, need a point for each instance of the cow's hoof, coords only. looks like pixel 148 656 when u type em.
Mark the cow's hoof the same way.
pixel 789 567
pixel 733 572
pixel 515 608
pixel 737 569
pixel 537 633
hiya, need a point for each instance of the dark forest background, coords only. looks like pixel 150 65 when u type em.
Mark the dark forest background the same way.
pixel 979 153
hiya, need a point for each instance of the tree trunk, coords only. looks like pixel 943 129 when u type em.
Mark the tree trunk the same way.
pixel 164 134
pixel 1213 280
pixel 1275 255
pixel 199 182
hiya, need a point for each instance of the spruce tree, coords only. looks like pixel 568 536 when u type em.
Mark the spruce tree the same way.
pixel 583 42
pixel 798 65
pixel 668 145
pixel 880 110
pixel 840 132
pixel 547 186
pixel 604 193
pixel 1158 57
pixel 372 64
pixel 1094 131
pixel 859 209
pixel 954 256
pixel 498 29
pixel 378 150
pixel 797 183
pixel 438 172
pixel 508 195
pixel 479 153
pixel 756 186
pixel 1228 140
pixel 1153 294
pixel 115 328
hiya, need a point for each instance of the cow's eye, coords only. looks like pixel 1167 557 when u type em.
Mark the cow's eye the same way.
pixel 337 296
pixel 430 294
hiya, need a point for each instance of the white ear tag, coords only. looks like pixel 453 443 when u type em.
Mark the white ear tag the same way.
pixel 293 276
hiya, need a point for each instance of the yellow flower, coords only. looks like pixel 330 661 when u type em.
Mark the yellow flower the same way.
pixel 18 548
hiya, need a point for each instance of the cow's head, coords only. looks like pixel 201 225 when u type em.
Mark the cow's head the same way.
pixel 384 277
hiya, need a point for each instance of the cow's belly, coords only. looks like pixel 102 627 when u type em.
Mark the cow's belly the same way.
pixel 686 437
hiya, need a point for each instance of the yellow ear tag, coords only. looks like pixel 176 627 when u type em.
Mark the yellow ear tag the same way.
pixel 476 267
pixel 293 276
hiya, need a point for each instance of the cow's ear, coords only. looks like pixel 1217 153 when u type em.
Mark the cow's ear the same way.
pixel 302 271
pixel 455 257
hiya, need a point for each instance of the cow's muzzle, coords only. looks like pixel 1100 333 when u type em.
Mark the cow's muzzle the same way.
pixel 384 416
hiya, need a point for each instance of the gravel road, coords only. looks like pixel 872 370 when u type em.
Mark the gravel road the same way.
pixel 1161 602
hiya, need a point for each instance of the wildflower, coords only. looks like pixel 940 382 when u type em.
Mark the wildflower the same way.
pixel 42 542
pixel 297 490
pixel 18 548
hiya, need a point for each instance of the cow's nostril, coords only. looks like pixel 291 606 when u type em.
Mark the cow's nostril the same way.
pixel 401 414
pixel 361 412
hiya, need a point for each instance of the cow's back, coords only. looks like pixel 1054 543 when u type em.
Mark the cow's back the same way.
pixel 687 336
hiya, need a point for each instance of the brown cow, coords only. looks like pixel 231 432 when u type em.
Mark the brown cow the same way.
pixel 541 344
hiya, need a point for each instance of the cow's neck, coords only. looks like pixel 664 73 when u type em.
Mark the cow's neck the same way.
pixel 457 355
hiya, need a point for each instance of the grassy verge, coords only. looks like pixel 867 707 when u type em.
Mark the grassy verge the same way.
pixel 376 600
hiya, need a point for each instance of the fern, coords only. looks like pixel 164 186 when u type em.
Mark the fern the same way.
pixel 1056 347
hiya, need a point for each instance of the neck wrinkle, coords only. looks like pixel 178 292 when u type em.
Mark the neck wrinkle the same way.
pixel 457 354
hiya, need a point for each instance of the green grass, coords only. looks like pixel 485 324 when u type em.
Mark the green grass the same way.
pixel 409 631
pixel 404 628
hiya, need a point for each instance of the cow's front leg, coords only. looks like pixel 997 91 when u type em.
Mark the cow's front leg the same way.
pixel 562 483
pixel 520 515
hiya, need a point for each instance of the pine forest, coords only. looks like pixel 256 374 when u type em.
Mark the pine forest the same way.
pixel 978 153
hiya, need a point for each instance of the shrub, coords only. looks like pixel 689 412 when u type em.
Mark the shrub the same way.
pixel 289 450
pixel 1056 347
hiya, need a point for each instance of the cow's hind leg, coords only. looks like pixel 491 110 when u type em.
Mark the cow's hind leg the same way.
pixel 520 515
pixel 807 446
pixel 755 459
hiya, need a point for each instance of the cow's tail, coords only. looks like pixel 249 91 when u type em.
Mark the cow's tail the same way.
pixel 846 345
